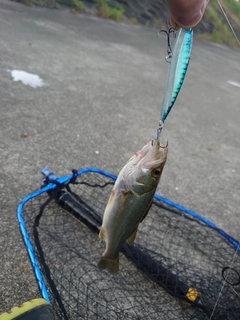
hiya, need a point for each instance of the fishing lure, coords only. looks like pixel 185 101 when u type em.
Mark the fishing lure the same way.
pixel 178 59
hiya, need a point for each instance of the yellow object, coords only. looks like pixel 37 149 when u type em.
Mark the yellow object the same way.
pixel 26 306
pixel 192 295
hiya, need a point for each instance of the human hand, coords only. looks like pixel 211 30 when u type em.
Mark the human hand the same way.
pixel 186 13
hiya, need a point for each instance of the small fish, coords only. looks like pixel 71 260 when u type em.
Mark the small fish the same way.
pixel 130 201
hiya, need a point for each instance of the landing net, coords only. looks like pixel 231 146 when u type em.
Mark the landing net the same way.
pixel 179 267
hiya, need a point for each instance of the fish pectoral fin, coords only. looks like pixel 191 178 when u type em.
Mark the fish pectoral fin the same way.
pixel 132 236
pixel 146 212
pixel 125 194
pixel 112 265
pixel 101 234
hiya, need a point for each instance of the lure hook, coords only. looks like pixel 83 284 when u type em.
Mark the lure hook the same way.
pixel 169 48
pixel 164 146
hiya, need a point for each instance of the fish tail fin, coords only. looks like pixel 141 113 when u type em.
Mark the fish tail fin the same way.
pixel 112 265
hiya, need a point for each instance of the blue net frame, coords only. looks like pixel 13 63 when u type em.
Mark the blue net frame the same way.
pixel 53 182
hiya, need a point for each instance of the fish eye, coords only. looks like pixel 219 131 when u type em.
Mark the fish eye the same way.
pixel 156 173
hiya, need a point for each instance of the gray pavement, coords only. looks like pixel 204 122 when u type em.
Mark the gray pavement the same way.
pixel 104 84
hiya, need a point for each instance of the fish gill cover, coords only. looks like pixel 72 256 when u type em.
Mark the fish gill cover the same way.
pixel 179 267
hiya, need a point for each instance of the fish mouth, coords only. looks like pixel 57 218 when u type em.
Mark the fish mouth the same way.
pixel 154 156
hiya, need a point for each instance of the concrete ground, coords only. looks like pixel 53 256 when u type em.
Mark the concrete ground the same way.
pixel 103 87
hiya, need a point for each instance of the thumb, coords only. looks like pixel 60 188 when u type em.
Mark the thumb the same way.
pixel 186 13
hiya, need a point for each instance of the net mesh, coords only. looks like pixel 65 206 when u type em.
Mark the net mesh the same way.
pixel 172 253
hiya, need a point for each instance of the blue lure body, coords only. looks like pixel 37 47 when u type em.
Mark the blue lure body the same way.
pixel 178 64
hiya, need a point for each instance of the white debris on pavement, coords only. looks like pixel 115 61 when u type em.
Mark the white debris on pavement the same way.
pixel 29 79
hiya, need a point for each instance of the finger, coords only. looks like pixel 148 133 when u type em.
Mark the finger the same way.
pixel 186 13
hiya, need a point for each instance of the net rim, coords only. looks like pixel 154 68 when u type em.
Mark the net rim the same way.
pixel 66 179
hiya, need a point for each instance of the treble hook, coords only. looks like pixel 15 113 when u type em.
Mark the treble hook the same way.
pixel 159 130
pixel 169 48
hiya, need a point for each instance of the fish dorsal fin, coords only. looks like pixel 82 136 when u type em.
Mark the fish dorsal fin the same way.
pixel 132 236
